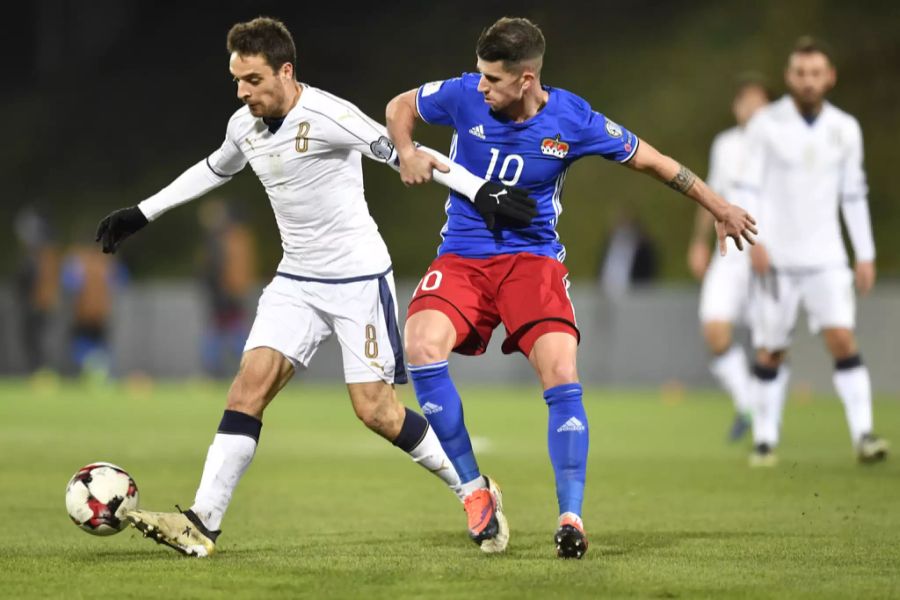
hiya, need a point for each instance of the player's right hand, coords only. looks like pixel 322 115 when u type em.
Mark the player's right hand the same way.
pixel 735 223
pixel 117 226
pixel 698 258
pixel 512 204
pixel 416 167
pixel 759 259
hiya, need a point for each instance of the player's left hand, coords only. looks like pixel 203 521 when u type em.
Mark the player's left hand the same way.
pixel 117 226
pixel 735 223
pixel 865 276
pixel 512 204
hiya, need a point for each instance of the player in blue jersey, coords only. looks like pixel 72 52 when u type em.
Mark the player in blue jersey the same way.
pixel 495 269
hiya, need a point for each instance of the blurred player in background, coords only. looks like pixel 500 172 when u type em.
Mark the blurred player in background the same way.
pixel 228 274
pixel 512 129
pixel 725 292
pixel 37 286
pixel 629 258
pixel 90 281
pixel 304 145
pixel 805 164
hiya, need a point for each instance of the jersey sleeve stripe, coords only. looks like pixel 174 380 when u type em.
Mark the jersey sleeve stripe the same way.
pixel 637 143
pixel 333 120
pixel 354 110
pixel 419 110
pixel 216 173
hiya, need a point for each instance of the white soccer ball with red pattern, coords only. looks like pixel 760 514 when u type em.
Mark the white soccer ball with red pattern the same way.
pixel 98 496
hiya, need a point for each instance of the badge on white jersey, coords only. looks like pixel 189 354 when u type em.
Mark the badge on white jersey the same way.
pixel 382 148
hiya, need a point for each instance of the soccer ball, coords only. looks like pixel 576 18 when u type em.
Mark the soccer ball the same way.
pixel 98 496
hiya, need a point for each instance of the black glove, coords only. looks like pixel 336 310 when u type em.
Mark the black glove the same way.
pixel 513 205
pixel 118 225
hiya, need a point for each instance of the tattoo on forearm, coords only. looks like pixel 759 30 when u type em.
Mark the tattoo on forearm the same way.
pixel 683 181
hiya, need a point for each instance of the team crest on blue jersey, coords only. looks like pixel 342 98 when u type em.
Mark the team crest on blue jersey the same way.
pixel 555 147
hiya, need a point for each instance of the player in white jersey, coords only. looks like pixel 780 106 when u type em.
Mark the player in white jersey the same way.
pixel 804 165
pixel 725 291
pixel 335 277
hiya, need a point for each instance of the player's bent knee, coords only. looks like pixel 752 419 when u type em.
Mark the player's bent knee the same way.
pixel 770 359
pixel 263 372
pixel 374 416
pixel 558 373
pixel 376 405
pixel 718 336
pixel 841 343
pixel 429 337
pixel 424 352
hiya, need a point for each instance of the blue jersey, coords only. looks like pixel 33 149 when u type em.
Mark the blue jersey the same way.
pixel 534 155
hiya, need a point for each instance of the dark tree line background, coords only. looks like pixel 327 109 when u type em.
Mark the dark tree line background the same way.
pixel 105 102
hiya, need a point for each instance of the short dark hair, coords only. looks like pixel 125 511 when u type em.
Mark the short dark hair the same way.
pixel 752 79
pixel 512 40
pixel 265 37
pixel 807 44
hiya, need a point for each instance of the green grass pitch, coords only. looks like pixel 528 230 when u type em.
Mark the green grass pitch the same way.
pixel 328 509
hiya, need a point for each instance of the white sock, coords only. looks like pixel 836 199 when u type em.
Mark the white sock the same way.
pixel 731 371
pixel 471 486
pixel 783 380
pixel 855 389
pixel 430 455
pixel 768 404
pixel 228 457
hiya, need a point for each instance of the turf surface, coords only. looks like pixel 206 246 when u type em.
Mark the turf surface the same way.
pixel 330 510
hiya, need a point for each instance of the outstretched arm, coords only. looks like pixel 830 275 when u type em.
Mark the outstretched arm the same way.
pixel 203 177
pixel 731 220
pixel 698 249
pixel 855 210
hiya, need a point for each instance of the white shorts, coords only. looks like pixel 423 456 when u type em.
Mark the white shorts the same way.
pixel 826 294
pixel 295 315
pixel 725 293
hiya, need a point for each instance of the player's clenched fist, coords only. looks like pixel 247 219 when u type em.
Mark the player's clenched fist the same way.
pixel 511 204
pixel 735 223
pixel 118 225
pixel 416 167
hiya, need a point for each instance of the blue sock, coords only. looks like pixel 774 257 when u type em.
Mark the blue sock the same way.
pixel 567 442
pixel 443 408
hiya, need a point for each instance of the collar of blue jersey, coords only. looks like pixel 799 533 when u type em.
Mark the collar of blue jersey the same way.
pixel 541 110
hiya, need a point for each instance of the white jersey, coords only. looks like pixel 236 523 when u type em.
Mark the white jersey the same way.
pixel 726 157
pixel 312 172
pixel 310 166
pixel 800 172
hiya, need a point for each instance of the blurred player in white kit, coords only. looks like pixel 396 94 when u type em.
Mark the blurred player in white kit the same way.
pixel 804 165
pixel 725 292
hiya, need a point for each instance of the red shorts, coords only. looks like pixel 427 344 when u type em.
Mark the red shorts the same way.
pixel 527 293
